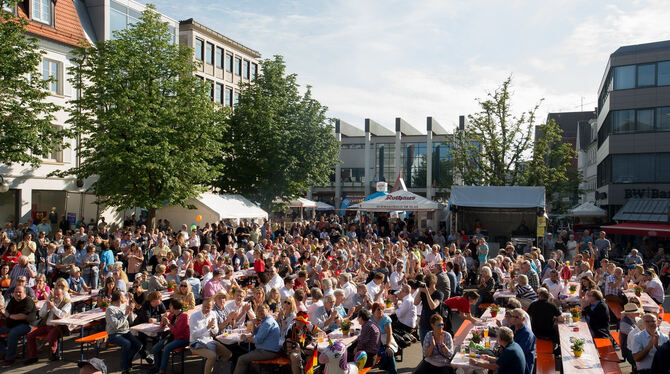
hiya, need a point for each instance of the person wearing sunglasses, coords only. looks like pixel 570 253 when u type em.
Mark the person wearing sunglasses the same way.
pixel 184 294
pixel 438 347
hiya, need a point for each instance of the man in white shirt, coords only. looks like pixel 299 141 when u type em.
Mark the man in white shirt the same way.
pixel 348 288
pixel 57 307
pixel 274 281
pixel 375 291
pixel 397 277
pixel 553 283
pixel 406 311
pixel 287 290
pixel 434 256
pixel 184 230
pixel 654 287
pixel 202 325
pixel 206 276
pixel 646 342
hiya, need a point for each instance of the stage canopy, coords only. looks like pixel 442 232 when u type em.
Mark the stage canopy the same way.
pixel 396 201
pixel 212 208
pixel 587 210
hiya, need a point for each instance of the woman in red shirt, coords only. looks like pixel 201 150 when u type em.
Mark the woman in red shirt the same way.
pixel 177 322
pixel 199 263
pixel 463 304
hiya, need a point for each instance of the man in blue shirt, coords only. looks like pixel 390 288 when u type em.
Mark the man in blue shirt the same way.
pixel 511 360
pixel 266 339
pixel 524 338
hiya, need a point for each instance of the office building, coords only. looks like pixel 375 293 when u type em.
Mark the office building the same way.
pixel 224 63
pixel 633 138
pixel 587 147
pixel 377 154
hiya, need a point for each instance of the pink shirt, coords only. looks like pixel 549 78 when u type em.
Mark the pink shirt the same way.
pixel 211 288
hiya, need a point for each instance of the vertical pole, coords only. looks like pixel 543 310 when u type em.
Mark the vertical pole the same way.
pixel 338 168
pixel 398 150
pixel 367 157
pixel 429 158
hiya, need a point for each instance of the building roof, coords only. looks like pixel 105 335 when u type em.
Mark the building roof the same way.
pixel 405 128
pixel 67 28
pixel 640 48
pixel 200 27
pixel 644 210
pixel 346 129
pixel 435 127
pixel 568 121
pixel 376 129
pixel 497 196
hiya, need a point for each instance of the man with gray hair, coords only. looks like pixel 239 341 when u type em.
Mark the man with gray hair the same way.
pixel 543 316
pixel 325 316
pixel 23 269
pixel 511 359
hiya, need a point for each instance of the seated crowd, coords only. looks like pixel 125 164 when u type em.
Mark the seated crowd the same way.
pixel 289 286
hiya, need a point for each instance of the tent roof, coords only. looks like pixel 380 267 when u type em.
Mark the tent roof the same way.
pixel 587 209
pixel 398 200
pixel 324 206
pixel 497 196
pixel 639 229
pixel 301 202
pixel 644 210
pixel 232 206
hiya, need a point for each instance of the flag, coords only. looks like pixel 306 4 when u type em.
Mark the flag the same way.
pixel 311 363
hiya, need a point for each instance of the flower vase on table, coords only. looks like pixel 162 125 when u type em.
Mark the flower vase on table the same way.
pixel 573 289
pixel 494 310
pixel 171 286
pixel 638 291
pixel 577 346
pixel 345 326
pixel 576 314
pixel 104 304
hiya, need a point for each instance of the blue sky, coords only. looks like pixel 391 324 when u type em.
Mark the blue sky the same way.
pixel 387 59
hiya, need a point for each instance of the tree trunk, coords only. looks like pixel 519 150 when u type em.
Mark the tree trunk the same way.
pixel 151 218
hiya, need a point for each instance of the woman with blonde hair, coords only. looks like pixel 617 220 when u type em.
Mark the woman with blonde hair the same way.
pixel 274 300
pixel 287 313
pixel 184 294
pixel 41 288
pixel 157 281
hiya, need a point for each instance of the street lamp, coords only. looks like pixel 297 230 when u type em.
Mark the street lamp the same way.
pixel 4 187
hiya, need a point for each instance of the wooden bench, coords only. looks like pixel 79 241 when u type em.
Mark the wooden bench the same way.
pixel 608 356
pixel 274 363
pixel 615 309
pixel 545 364
pixel 462 332
pixel 95 340
pixel 616 335
pixel 544 346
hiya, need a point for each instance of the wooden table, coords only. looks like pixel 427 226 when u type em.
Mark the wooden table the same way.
pixel 154 328
pixel 80 320
pixel 504 294
pixel 461 361
pixel 648 304
pixel 74 298
pixel 589 362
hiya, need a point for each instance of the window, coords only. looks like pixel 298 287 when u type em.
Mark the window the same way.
pixel 211 89
pixel 120 17
pixel 42 11
pixel 663 72
pixel 199 49
pixel 624 77
pixel 663 119
pixel 662 169
pixel 51 70
pixel 10 9
pixel 646 75
pixel 623 121
pixel 219 58
pixel 209 54
pixel 238 66
pixel 218 94
pixel 254 71
pixel 228 99
pixel 56 156
pixel 172 31
pixel 633 168
pixel 236 98
pixel 229 62
pixel 245 69
pixel 645 120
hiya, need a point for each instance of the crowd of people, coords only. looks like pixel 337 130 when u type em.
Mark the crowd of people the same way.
pixel 290 284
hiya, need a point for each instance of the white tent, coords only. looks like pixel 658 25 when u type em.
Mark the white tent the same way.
pixel 301 202
pixel 213 208
pixel 497 197
pixel 398 200
pixel 587 209
pixel 324 206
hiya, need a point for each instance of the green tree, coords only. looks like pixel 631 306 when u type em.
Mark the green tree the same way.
pixel 281 141
pixel 492 148
pixel 550 165
pixel 149 126
pixel 26 118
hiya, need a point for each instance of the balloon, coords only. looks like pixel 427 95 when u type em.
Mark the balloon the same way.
pixel 198 218
pixel 193 227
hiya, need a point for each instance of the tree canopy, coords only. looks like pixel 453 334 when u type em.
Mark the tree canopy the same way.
pixel 281 141
pixel 497 148
pixel 26 117
pixel 149 125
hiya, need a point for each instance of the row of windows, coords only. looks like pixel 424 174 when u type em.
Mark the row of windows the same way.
pixel 634 120
pixel 122 17
pixel 634 168
pixel 635 76
pixel 222 94
pixel 212 55
pixel 413 164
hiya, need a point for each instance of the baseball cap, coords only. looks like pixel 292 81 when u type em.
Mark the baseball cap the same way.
pixel 97 363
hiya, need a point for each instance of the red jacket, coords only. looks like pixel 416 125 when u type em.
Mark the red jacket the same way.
pixel 179 326
pixel 259 266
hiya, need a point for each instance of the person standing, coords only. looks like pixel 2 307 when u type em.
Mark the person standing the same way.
pixel 430 300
